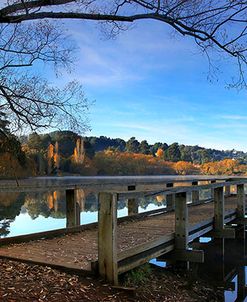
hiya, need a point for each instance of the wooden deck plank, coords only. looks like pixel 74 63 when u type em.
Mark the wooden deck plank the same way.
pixel 78 250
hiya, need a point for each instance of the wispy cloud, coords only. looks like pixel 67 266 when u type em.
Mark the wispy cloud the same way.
pixel 234 117
pixel 132 57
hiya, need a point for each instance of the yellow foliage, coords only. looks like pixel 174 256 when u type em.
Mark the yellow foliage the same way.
pixel 159 153
pixel 223 167
pixel 160 198
pixel 126 163
pixel 183 167
pixel 50 151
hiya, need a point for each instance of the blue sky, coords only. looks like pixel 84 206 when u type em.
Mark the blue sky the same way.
pixel 151 85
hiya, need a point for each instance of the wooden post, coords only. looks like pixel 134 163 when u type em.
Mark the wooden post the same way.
pixel 212 190
pixel 181 221
pixel 170 198
pixel 181 252
pixel 132 206
pixel 107 237
pixel 227 191
pixel 219 209
pixel 241 281
pixel 195 194
pixel 72 210
pixel 219 216
pixel 240 201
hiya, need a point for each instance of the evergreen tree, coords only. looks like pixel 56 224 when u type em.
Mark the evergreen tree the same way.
pixel 144 147
pixel 132 145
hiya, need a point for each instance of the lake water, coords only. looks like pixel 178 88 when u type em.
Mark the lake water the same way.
pixel 28 213
pixel 224 266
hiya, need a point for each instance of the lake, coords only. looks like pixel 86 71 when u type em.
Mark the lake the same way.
pixel 22 213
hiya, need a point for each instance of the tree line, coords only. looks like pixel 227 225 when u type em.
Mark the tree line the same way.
pixel 174 152
pixel 65 152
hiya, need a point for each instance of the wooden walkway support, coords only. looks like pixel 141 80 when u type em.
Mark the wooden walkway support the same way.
pixel 240 202
pixel 170 198
pixel 73 210
pixel 132 206
pixel 181 251
pixel 107 237
pixel 195 194
pixel 219 213
pixel 227 269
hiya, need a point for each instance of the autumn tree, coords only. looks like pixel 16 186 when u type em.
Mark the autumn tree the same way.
pixel 159 153
pixel 50 158
pixel 57 156
pixel 79 151
pixel 184 168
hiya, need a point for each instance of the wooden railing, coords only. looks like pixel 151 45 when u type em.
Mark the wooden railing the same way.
pixel 111 263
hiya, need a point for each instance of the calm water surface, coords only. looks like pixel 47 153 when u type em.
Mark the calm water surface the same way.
pixel 224 266
pixel 28 213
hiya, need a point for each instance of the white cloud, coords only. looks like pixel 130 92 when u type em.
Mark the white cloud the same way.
pixel 133 56
pixel 234 117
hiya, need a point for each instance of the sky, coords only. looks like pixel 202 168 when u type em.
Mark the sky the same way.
pixel 156 86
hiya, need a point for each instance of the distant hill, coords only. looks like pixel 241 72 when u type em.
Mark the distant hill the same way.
pixel 173 152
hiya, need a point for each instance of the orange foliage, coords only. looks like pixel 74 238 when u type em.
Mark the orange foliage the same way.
pixel 183 167
pixel 111 162
pixel 159 153
pixel 10 167
pixel 50 151
pixel 56 160
pixel 223 167
pixel 50 201
pixel 160 198
pixel 79 152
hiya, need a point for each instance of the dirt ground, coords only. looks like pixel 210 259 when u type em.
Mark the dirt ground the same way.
pixel 23 282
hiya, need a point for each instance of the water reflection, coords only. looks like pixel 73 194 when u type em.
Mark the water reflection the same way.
pixel 26 213
pixel 224 265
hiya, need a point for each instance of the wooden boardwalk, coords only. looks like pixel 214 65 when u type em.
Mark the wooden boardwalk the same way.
pixel 78 250
pixel 113 246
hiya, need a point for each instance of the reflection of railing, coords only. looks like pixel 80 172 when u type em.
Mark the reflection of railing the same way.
pixel 230 262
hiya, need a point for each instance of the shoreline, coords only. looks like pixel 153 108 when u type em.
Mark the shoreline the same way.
pixel 21 282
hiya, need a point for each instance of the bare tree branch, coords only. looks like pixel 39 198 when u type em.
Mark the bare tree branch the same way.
pixel 215 25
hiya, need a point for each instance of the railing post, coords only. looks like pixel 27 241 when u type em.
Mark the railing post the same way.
pixel 72 210
pixel 227 190
pixel 181 221
pixel 240 201
pixel 107 237
pixel 219 209
pixel 212 190
pixel 132 206
pixel 241 281
pixel 219 216
pixel 170 198
pixel 181 252
pixel 195 194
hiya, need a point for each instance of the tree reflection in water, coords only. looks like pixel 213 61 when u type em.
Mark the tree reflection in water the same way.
pixel 53 205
